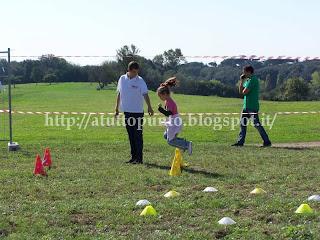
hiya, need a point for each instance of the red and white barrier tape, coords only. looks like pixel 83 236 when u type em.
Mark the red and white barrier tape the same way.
pixel 248 57
pixel 255 57
pixel 109 113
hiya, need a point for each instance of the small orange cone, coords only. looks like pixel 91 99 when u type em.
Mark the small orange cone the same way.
pixel 47 162
pixel 38 168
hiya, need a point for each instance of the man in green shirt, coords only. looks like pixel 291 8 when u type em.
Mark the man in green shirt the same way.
pixel 249 88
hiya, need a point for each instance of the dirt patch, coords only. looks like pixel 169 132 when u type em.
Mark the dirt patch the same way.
pixel 157 188
pixel 83 219
pixel 295 146
pixel 221 234
pixel 299 145
pixel 197 187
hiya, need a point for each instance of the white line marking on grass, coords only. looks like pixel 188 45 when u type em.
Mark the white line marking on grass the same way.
pixel 156 114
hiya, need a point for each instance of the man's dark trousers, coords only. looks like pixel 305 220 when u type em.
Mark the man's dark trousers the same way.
pixel 134 122
pixel 245 116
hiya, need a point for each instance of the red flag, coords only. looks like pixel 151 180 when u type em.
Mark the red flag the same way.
pixel 38 168
pixel 47 162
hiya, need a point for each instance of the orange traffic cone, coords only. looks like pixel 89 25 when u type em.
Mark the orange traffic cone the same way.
pixel 38 168
pixel 47 162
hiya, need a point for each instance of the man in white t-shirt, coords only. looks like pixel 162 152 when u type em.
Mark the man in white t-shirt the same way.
pixel 132 91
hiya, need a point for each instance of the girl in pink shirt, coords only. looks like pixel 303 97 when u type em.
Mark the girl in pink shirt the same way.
pixel 173 121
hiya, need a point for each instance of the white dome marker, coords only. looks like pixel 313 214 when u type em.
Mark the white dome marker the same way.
pixel 210 189
pixel 315 198
pixel 226 221
pixel 143 203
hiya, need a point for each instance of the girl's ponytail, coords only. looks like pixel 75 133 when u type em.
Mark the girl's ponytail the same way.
pixel 171 82
pixel 165 87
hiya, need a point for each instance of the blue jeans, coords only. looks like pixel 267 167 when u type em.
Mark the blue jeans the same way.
pixel 245 116
pixel 177 142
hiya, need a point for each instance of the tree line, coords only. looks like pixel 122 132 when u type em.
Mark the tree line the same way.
pixel 288 80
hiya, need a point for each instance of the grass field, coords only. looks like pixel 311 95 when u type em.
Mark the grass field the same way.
pixel 91 194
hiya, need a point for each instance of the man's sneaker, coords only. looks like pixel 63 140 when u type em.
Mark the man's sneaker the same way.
pixel 237 145
pixel 190 148
pixel 132 161
pixel 138 162
pixel 265 145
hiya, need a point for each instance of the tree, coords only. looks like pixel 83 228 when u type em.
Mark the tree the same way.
pixel 50 78
pixel 108 74
pixel 158 60
pixel 153 78
pixel 269 84
pixel 296 89
pixel 173 58
pixel 93 73
pixel 15 80
pixel 315 84
pixel 194 77
pixel 36 75
pixel 315 79
pixel 127 54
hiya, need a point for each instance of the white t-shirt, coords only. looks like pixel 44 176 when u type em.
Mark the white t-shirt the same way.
pixel 132 93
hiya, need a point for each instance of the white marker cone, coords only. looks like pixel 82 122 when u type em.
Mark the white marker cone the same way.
pixel 315 198
pixel 226 221
pixel 210 189
pixel 143 203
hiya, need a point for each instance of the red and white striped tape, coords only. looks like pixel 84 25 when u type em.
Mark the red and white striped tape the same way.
pixel 248 57
pixel 263 58
pixel 110 113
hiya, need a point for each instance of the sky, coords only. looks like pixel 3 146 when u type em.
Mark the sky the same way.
pixel 202 27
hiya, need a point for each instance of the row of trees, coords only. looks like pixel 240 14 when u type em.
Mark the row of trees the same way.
pixel 280 79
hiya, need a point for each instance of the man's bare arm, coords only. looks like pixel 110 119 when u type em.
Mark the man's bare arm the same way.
pixel 147 99
pixel 117 105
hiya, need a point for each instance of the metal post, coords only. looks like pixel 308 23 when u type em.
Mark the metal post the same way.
pixel 12 146
pixel 9 89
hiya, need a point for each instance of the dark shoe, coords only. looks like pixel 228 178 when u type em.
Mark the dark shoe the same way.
pixel 132 161
pixel 138 162
pixel 265 145
pixel 237 145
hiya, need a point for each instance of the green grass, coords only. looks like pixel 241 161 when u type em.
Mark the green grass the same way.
pixel 90 193
pixel 83 97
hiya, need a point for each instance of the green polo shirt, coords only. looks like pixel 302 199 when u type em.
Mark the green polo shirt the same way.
pixel 251 100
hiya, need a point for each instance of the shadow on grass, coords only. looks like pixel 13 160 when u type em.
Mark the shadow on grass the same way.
pixel 186 169
pixel 296 148
pixel 25 152
pixel 293 148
